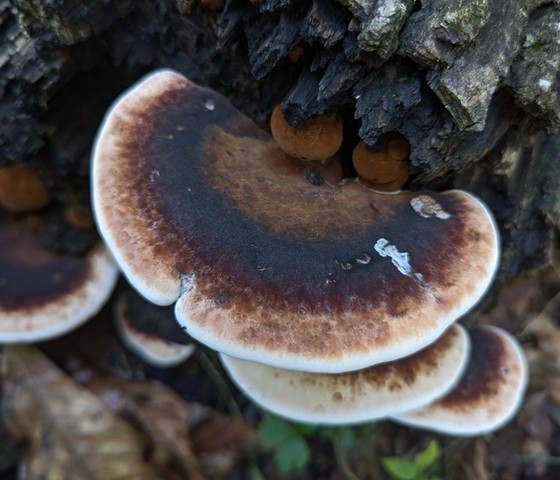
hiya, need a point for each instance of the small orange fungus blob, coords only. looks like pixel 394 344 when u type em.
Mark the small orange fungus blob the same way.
pixel 386 170
pixel 79 218
pixel 21 190
pixel 316 139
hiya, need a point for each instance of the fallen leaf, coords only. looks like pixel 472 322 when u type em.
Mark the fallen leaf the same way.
pixel 175 428
pixel 219 432
pixel 517 301
pixel 219 441
pixel 69 432
pixel 544 356
pixel 470 462
pixel 160 414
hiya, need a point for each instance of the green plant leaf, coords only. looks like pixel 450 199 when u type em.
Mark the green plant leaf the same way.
pixel 429 456
pixel 346 438
pixel 274 431
pixel 400 469
pixel 291 452
pixel 304 429
pixel 365 429
pixel 292 456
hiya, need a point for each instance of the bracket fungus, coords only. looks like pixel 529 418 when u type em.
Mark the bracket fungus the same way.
pixel 45 294
pixel 489 393
pixel 150 331
pixel 202 208
pixel 361 395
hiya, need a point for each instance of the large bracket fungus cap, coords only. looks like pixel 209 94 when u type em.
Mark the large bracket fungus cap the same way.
pixel 488 395
pixel 45 294
pixel 198 204
pixel 360 395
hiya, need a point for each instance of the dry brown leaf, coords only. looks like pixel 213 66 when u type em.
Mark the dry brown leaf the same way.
pixel 176 429
pixel 471 462
pixel 161 414
pixel 516 302
pixel 218 441
pixel 534 417
pixel 547 333
pixel 544 357
pixel 218 433
pixel 69 432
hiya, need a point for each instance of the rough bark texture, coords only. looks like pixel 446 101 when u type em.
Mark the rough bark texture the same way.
pixel 472 84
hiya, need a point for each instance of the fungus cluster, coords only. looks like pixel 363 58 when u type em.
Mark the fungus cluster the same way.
pixel 44 294
pixel 336 294
pixel 320 138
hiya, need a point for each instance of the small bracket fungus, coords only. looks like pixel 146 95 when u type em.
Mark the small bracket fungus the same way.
pixel 317 139
pixel 200 206
pixel 357 396
pixel 489 393
pixel 151 332
pixel 43 294
pixel 384 170
pixel 21 190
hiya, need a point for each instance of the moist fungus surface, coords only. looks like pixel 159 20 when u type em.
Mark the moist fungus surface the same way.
pixel 197 203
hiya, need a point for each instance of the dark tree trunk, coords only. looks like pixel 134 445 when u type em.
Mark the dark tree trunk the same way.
pixel 472 85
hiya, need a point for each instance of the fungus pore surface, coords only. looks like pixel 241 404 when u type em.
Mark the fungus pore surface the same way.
pixel 197 204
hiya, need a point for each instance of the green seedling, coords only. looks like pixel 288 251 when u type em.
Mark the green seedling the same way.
pixel 418 469
pixel 288 440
